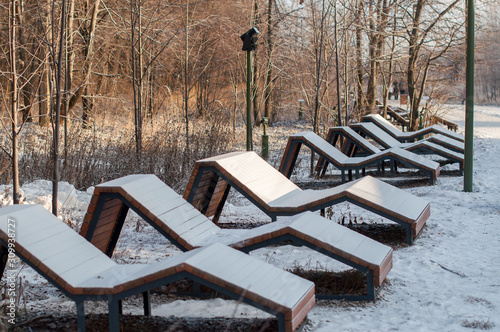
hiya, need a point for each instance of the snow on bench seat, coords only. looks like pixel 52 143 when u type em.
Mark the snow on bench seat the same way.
pixel 177 225
pixel 83 272
pixel 354 143
pixel 371 130
pixel 329 153
pixel 288 199
pixel 409 135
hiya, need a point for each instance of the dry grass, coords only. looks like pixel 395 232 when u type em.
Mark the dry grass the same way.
pixel 349 282
pixel 107 150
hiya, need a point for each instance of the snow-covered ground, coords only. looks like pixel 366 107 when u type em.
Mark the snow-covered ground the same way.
pixel 449 280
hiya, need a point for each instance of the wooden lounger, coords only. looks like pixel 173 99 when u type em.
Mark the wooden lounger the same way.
pixel 371 130
pixel 410 136
pixel 187 228
pixel 332 155
pixel 276 195
pixel 354 144
pixel 83 273
pixel 398 115
pixel 401 116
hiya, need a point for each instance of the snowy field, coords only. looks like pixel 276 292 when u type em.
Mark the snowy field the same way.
pixel 449 280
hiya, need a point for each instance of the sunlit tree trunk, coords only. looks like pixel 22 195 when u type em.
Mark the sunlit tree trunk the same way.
pixel 359 58
pixel 268 85
pixel 14 97
pixel 58 68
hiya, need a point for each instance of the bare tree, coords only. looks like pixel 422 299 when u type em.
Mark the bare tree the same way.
pixel 23 70
pixel 14 99
pixel 423 24
pixel 58 70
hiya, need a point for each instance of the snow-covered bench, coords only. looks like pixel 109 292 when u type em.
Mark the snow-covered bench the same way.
pixel 410 136
pixel 187 228
pixel 83 273
pixel 332 155
pixel 353 144
pixel 371 130
pixel 276 195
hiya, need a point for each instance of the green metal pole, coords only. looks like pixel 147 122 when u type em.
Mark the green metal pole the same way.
pixel 265 140
pixel 249 100
pixel 469 99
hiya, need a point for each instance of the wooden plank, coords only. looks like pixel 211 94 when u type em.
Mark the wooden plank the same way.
pixel 299 317
pixel 70 256
pixel 50 245
pixel 91 208
pixel 94 199
pixel 87 218
pixel 179 214
pixel 156 198
pixel 176 203
pixel 107 220
pixel 190 184
pixel 204 228
pixel 101 245
pixel 104 236
pixel 84 270
pixel 111 211
pixel 416 227
pixel 30 238
pixel 197 221
pixel 200 194
pixel 380 278
pixel 138 183
pixel 104 228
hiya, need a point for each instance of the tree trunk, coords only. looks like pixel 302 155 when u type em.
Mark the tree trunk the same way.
pixel 14 98
pixel 255 87
pixel 187 90
pixel 359 59
pixel 378 23
pixel 391 62
pixel 412 75
pixel 58 70
pixel 44 96
pixel 268 86
pixel 26 90
pixel 88 32
pixel 339 101
pixel 136 58
pixel 69 60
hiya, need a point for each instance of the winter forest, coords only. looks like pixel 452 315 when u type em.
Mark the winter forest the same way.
pixel 95 90
pixel 92 90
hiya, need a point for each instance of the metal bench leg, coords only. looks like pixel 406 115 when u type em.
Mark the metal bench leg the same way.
pixel 147 303
pixel 80 315
pixel 281 322
pixel 409 238
pixel 114 316
pixel 370 287
pixel 196 288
